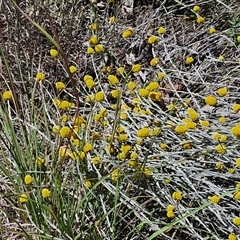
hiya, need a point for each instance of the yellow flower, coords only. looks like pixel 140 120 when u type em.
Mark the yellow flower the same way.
pixel 210 100
pixel 161 75
pixel 154 62
pixel 120 71
pixel 214 199
pixel 153 40
pixel 238 162
pixel 96 160
pixel 222 119
pixel 143 92
pixel 115 175
pixel 115 93
pixel 212 30
pixel 219 166
pixel 232 236
pixel 46 193
pixel 23 198
pixel 60 86
pixel 112 20
pixel 40 162
pixel 236 221
pixel 99 97
pixel 40 76
pixel 189 60
pixel 123 137
pixel 94 26
pixel 87 147
pixel 196 8
pixel 143 132
pixel 192 114
pixel 53 53
pixel 65 132
pixel 177 195
pixel 28 179
pixel 133 155
pixel 87 184
pixel 131 86
pixel 200 20
pixel 163 146
pixel 236 131
pixel 204 123
pixel 147 171
pixel 113 80
pixel 93 40
pixel 99 48
pixel 222 91
pixel 152 86
pixel 136 68
pixel 180 129
pixel 170 214
pixel 155 96
pixel 90 83
pixel 161 30
pixel 221 149
pixel 236 107
pixel 170 207
pixel 236 195
pixel 231 170
pixel 90 50
pixel 127 33
pixel 7 95
pixel 186 145
pixel 238 39
pixel 221 58
pixel 73 69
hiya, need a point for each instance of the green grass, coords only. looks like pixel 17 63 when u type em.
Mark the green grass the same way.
pixel 111 167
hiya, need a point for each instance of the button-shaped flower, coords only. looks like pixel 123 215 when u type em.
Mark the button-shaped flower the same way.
pixel 177 195
pixel 210 100
pixel 113 80
pixel 127 33
pixel 54 53
pixel 153 39
pixel 23 198
pixel 40 76
pixel 28 179
pixel 7 95
pixel 73 69
pixel 46 193
pixel 60 86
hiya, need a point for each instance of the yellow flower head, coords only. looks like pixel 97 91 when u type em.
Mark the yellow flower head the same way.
pixel 196 8
pixel 94 26
pixel 153 39
pixel 212 30
pixel 136 68
pixel 87 147
pixel 112 20
pixel 40 76
pixel 236 221
pixel 23 198
pixel 131 86
pixel 99 48
pixel 192 114
pixel 60 86
pixel 115 93
pixel 143 92
pixel 99 97
pixel 221 149
pixel 127 33
pixel 170 214
pixel 161 30
pixel 40 162
pixel 152 86
pixel 120 71
pixel 236 107
pixel 90 50
pixel 7 95
pixel 232 236
pixel 161 75
pixel 189 60
pixel 46 193
pixel 211 100
pixel 238 162
pixel 177 195
pixel 28 179
pixel 222 91
pixel 87 184
pixel 115 175
pixel 96 160
pixel 236 131
pixel 200 20
pixel 204 123
pixel 65 132
pixel 214 199
pixel 154 62
pixel 73 69
pixel 54 53
pixel 221 58
pixel 155 96
pixel 238 39
pixel 143 132
pixel 180 129
pixel 93 40
pixel 113 80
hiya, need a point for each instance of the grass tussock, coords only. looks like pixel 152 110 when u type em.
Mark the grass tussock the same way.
pixel 120 121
